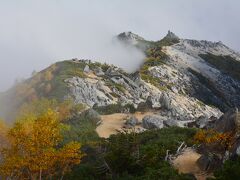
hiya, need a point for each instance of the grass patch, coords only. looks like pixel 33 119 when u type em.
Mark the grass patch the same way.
pixel 155 57
pixel 94 65
pixel 166 42
pixel 64 70
pixel 112 85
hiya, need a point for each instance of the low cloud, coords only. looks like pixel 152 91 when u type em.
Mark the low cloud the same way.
pixel 35 34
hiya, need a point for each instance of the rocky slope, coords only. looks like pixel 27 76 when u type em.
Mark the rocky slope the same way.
pixel 193 55
pixel 131 89
pixel 177 78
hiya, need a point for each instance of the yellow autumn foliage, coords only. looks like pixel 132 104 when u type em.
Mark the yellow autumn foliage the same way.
pixel 211 136
pixel 33 151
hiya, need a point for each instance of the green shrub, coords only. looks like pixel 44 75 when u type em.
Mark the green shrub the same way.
pixel 166 42
pixel 229 171
pixel 94 65
pixel 155 57
pixel 82 129
pixel 114 108
pixel 142 155
pixel 134 156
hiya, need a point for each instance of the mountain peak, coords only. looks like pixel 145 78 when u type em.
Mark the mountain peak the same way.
pixel 129 36
pixel 171 35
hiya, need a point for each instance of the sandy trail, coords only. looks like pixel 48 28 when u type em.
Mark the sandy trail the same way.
pixel 186 163
pixel 113 123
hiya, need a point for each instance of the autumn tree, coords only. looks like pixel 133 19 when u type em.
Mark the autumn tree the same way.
pixel 33 151
pixel 3 134
pixel 64 109
pixel 211 137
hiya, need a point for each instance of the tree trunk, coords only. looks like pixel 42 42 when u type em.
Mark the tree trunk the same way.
pixel 40 174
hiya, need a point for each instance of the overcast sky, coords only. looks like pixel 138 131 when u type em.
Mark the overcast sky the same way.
pixel 37 33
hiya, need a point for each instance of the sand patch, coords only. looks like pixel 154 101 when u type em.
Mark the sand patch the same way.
pixel 113 123
pixel 186 163
pixel 110 124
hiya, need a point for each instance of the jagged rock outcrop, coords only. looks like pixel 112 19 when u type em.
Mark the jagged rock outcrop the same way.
pixel 171 35
pixel 202 122
pixel 165 102
pixel 171 123
pixel 209 82
pixel 153 122
pixel 89 91
pixel 98 71
pixel 209 162
pixel 130 38
pixel 116 86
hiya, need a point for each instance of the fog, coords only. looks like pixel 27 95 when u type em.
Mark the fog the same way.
pixel 35 34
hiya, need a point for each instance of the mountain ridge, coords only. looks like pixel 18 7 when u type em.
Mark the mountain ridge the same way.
pixel 173 77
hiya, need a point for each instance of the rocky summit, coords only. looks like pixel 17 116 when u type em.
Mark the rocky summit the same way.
pixel 181 79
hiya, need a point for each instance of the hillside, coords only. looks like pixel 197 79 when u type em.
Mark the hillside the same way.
pixel 144 124
pixel 186 77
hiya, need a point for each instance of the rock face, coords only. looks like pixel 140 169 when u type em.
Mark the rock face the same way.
pixel 165 101
pixel 170 123
pixel 227 122
pixel 130 38
pixel 209 162
pixel 116 86
pixel 152 122
pixel 203 162
pixel 208 82
pixel 203 122
pixel 132 121
pixel 98 71
pixel 89 92
pixel 86 69
pixel 171 35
